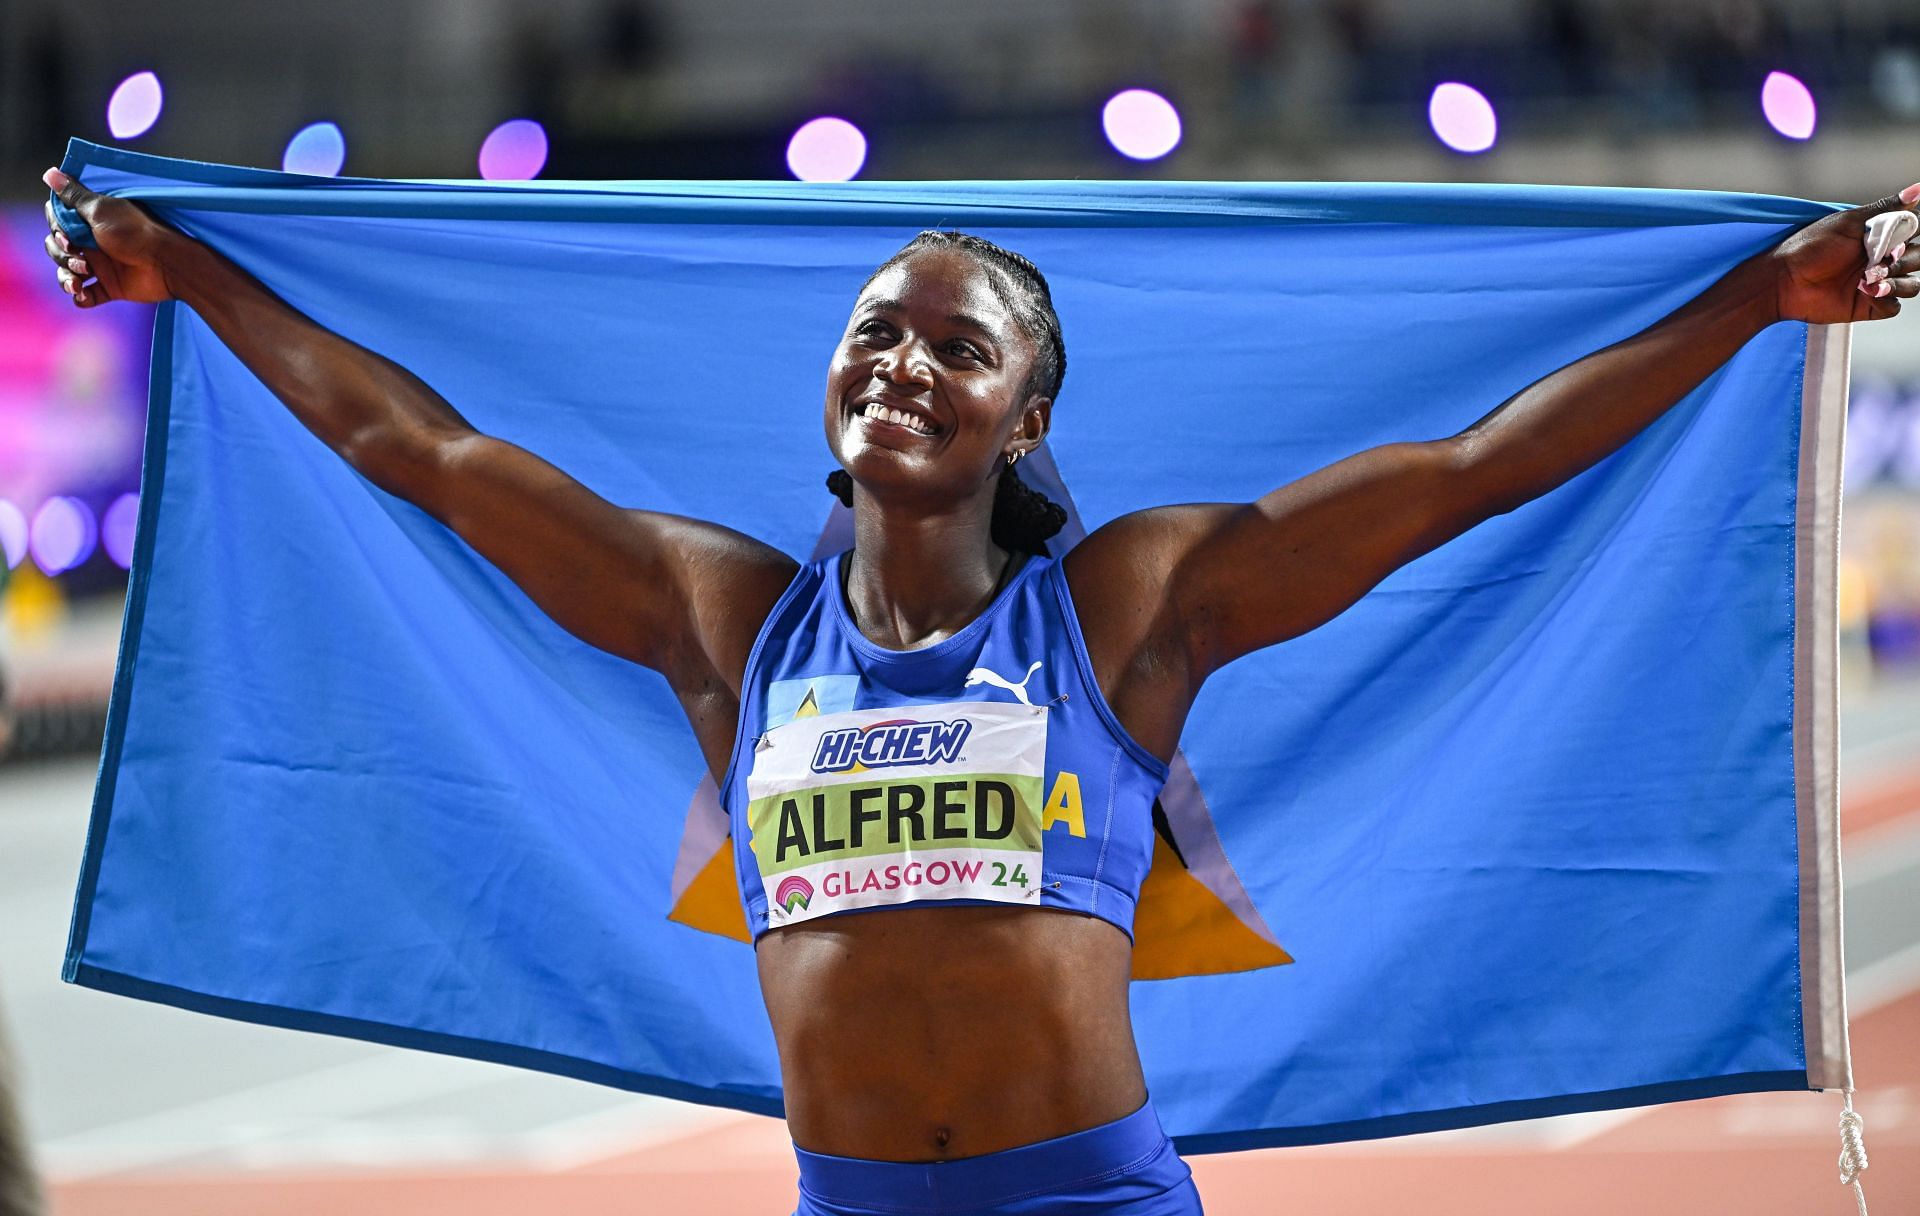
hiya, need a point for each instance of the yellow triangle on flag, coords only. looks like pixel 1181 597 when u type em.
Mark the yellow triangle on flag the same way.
pixel 711 902
pixel 1182 928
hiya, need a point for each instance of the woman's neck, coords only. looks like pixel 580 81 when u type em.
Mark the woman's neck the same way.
pixel 914 577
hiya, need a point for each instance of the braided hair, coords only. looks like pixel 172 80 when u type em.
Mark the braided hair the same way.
pixel 1023 518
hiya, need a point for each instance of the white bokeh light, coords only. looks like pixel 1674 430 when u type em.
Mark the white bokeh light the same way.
pixel 13 533
pixel 134 106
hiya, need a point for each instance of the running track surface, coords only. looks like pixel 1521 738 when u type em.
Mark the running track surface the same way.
pixel 235 1149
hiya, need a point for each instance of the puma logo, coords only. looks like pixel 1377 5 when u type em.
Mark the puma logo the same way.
pixel 982 675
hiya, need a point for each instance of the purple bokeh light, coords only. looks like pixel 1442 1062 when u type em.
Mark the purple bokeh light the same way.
pixel 1462 117
pixel 514 151
pixel 317 149
pixel 1788 105
pixel 826 150
pixel 117 528
pixel 64 534
pixel 13 533
pixel 1141 125
pixel 134 106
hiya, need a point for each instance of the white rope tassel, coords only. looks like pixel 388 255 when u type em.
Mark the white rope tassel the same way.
pixel 1853 1151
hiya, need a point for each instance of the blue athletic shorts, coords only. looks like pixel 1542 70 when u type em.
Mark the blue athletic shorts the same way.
pixel 1124 1168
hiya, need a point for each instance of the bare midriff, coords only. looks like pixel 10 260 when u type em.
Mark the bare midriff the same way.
pixel 930 1033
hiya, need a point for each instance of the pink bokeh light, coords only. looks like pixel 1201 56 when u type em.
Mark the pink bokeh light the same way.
pixel 1788 105
pixel 514 151
pixel 827 150
pixel 1462 117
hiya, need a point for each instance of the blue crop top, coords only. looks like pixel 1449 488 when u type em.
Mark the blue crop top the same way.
pixel 986 768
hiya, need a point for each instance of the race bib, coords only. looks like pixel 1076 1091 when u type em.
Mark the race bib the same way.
pixel 884 806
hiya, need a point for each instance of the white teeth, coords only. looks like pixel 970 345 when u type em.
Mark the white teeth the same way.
pixel 881 413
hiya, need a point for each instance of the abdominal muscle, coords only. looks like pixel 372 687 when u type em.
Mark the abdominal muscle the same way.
pixel 927 1033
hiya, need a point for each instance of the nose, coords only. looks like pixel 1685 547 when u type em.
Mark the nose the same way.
pixel 904 363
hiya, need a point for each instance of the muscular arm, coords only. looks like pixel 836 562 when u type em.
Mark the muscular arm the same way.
pixel 678 595
pixel 1170 595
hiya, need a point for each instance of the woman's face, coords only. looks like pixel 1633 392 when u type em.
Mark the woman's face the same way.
pixel 927 391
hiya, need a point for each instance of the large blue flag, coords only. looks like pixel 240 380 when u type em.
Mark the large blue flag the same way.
pixel 1544 823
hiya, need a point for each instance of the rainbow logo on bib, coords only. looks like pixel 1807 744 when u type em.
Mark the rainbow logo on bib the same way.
pixel 793 892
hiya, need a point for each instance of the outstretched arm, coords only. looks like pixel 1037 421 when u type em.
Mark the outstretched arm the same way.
pixel 1170 595
pixel 675 594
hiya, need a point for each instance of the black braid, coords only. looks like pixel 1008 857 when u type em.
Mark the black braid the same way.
pixel 1024 519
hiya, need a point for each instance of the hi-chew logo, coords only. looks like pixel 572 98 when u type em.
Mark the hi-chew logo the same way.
pixel 885 744
pixel 793 892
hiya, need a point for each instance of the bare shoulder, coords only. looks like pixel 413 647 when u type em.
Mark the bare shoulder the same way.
pixel 726 584
pixel 729 583
pixel 1126 568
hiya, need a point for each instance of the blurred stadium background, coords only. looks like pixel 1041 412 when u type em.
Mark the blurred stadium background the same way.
pixel 136 1108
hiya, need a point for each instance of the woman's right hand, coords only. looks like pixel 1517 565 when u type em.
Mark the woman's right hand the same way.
pixel 127 264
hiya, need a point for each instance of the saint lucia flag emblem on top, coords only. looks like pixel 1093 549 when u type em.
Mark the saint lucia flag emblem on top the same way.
pixel 1194 916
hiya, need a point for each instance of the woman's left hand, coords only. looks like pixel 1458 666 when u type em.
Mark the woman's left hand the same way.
pixel 1822 274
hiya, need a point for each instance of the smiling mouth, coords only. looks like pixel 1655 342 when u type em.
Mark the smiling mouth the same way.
pixel 874 411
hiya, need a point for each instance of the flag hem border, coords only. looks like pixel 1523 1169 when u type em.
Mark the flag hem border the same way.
pixel 439 1042
pixel 1457 1117
pixel 209 186
pixel 153 467
pixel 1816 706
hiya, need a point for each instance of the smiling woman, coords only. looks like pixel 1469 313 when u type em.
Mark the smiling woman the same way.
pixel 1013 320
pixel 943 723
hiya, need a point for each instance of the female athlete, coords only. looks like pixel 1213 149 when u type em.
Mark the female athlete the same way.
pixel 890 727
